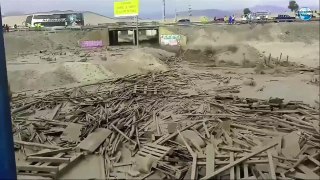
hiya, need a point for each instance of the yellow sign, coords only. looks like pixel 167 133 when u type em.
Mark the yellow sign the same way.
pixel 204 19
pixel 126 8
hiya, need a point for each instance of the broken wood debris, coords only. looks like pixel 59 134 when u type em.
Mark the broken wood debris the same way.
pixel 223 136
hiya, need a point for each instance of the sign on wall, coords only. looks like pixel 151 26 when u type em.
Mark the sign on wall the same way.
pixel 126 8
pixel 171 40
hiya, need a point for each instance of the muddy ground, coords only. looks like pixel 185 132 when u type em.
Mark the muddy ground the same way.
pixel 238 64
pixel 42 60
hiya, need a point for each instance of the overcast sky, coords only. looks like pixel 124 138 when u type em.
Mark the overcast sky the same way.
pixel 147 6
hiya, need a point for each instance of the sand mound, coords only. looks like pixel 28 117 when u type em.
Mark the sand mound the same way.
pixel 56 75
pixel 138 61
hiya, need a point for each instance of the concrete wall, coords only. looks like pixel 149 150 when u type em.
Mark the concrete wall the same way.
pixel 95 35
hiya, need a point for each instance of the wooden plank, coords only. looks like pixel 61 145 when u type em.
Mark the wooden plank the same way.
pixel 51 153
pixel 123 134
pixel 159 147
pixel 238 172
pixel 48 159
pixel 94 140
pixel 155 154
pixel 186 144
pixel 213 174
pixel 206 129
pixel 153 150
pixel 298 175
pixel 232 175
pixel 156 122
pixel 37 175
pixel 36 144
pixel 314 160
pixel 255 161
pixel 73 160
pixel 245 170
pixel 267 132
pixel 174 134
pixel 272 167
pixel 210 156
pixel 194 169
pixel 309 173
pixel 37 168
pixel 297 120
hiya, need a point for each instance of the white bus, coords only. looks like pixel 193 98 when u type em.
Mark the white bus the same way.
pixel 51 20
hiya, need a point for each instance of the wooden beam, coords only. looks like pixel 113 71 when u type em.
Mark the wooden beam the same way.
pixel 48 159
pixel 213 174
pixel 36 144
pixel 194 169
pixel 51 153
pixel 232 175
pixel 210 156
pixel 37 168
pixel 272 167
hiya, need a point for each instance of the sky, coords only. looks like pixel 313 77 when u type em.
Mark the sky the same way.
pixel 105 7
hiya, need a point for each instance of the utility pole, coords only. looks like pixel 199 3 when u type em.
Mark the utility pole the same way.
pixel 164 10
pixel 7 159
pixel 190 11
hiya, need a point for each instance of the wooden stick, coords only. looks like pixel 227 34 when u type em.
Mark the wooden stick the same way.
pixel 194 168
pixel 155 119
pixel 271 163
pixel 48 159
pixel 206 129
pixel 232 176
pixel 24 107
pixel 185 142
pixel 175 134
pixel 245 170
pixel 36 144
pixel 213 174
pixel 124 135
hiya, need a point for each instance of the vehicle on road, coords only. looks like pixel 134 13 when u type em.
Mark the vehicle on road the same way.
pixel 184 22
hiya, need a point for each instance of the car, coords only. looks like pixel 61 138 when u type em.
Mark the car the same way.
pixel 184 22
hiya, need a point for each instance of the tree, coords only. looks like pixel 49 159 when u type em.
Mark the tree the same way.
pixel 293 6
pixel 246 11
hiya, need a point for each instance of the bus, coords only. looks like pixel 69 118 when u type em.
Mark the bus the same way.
pixel 52 20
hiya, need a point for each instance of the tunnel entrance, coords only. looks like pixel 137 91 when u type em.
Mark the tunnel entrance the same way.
pixel 118 37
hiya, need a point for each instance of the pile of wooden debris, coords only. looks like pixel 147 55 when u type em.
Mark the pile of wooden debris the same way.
pixel 155 126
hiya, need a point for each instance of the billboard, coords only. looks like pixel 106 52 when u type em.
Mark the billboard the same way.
pixel 126 8
pixel 50 20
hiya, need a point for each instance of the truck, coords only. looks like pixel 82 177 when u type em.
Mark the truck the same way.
pixel 284 18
